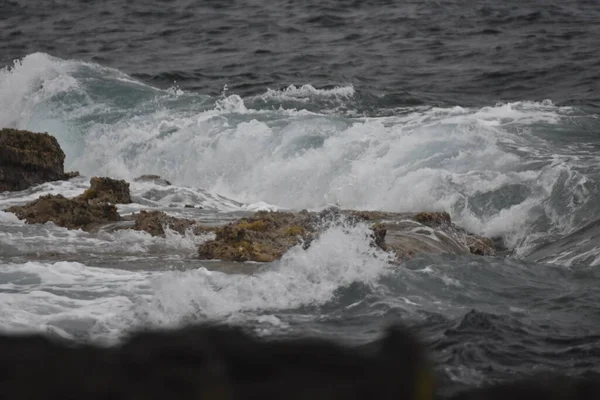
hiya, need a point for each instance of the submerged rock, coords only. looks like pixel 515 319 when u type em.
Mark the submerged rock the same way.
pixel 154 222
pixel 29 158
pixel 156 179
pixel 266 236
pixel 106 190
pixel 68 213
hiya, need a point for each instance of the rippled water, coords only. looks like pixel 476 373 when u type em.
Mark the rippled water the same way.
pixel 488 111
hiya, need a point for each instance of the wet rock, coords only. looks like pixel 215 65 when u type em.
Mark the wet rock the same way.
pixel 480 245
pixel 156 179
pixel 68 213
pixel 28 158
pixel 433 219
pixel 155 222
pixel 266 236
pixel 87 211
pixel 106 190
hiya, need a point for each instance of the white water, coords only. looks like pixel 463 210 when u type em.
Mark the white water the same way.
pixel 422 158
pixel 70 297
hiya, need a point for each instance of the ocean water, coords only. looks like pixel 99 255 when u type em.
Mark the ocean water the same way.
pixel 488 111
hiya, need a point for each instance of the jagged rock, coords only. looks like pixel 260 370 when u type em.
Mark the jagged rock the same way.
pixel 157 179
pixel 68 213
pixel 106 190
pixel 480 245
pixel 154 222
pixel 433 219
pixel 29 158
pixel 266 236
pixel 86 211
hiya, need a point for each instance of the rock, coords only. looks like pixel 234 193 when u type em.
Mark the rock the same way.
pixel 266 236
pixel 433 219
pixel 216 362
pixel 68 213
pixel 154 223
pixel 106 190
pixel 480 245
pixel 86 211
pixel 157 179
pixel 28 158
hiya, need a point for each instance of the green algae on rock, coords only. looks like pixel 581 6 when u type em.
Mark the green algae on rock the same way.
pixel 264 237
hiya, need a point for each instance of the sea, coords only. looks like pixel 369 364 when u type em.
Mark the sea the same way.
pixel 487 110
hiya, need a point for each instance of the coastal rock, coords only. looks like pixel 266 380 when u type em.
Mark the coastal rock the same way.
pixel 156 179
pixel 28 158
pixel 106 190
pixel 266 236
pixel 68 213
pixel 86 211
pixel 154 222
pixel 480 245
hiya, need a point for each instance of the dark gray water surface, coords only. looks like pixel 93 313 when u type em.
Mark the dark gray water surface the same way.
pixel 412 52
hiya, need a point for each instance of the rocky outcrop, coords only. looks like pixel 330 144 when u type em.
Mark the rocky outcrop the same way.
pixel 266 236
pixel 87 211
pixel 28 158
pixel 155 222
pixel 68 213
pixel 156 179
pixel 106 190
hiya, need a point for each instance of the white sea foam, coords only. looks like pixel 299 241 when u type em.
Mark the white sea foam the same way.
pixel 306 93
pixel 37 295
pixel 421 158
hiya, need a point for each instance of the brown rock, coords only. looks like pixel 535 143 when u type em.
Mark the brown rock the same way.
pixel 266 236
pixel 106 190
pixel 433 218
pixel 480 245
pixel 154 222
pixel 157 179
pixel 68 213
pixel 28 158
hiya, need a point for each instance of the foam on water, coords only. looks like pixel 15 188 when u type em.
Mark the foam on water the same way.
pixel 109 302
pixel 306 93
pixel 431 158
pixel 50 240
